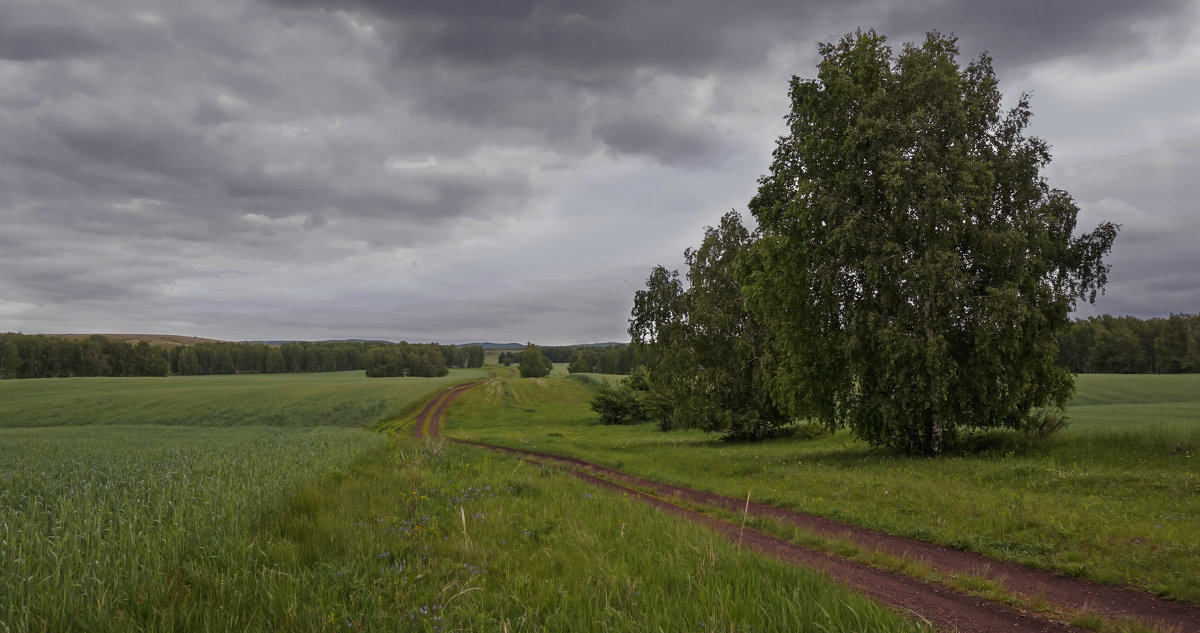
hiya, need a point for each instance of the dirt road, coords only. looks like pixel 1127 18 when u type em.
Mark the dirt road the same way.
pixel 429 418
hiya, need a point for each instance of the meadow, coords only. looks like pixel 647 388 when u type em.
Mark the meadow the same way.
pixel 153 520
pixel 1114 498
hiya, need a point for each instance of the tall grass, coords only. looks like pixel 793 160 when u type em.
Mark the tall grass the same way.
pixel 256 529
pixel 101 527
pixel 338 399
pixel 1114 498
pixel 429 537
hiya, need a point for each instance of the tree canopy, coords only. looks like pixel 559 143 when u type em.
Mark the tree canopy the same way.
pixel 533 363
pixel 912 262
pixel 406 359
pixel 712 357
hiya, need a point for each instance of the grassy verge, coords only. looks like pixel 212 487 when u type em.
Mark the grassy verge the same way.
pixel 1114 498
pixel 338 399
pixel 431 537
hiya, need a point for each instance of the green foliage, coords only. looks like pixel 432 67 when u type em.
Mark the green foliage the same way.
pixel 23 356
pixel 405 359
pixel 1043 422
pixel 1128 345
pixel 712 358
pixel 533 363
pixel 39 356
pixel 609 359
pixel 618 405
pixel 464 356
pixel 912 262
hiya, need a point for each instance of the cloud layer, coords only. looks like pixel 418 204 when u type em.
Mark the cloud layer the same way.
pixel 470 170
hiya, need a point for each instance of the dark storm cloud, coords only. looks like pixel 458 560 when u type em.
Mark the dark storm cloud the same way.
pixel 342 167
pixel 36 38
pixel 1154 194
pixel 591 43
pixel 658 137
pixel 1020 32
pixel 564 69
pixel 600 43
pixel 568 70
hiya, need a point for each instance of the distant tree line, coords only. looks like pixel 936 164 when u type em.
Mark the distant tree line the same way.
pixel 1127 345
pixel 261 358
pixel 595 359
pixel 404 359
pixel 28 356
pixel 41 356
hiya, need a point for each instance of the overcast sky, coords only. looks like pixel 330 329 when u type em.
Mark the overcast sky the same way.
pixel 502 170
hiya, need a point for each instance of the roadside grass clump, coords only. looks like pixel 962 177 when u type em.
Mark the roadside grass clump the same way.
pixel 332 399
pixel 105 528
pixel 430 536
pixel 1114 497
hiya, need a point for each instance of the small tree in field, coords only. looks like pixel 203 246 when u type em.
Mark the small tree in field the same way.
pixel 533 363
pixel 712 358
pixel 913 264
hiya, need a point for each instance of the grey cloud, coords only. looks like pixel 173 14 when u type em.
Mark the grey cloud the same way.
pixel 1154 195
pixel 25 42
pixel 581 41
pixel 1176 283
pixel 1022 32
pixel 174 160
pixel 660 138
pixel 565 71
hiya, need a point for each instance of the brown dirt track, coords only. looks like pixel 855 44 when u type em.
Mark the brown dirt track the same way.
pixel 429 419
pixel 946 608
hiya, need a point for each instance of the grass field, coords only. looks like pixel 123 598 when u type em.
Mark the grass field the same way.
pixel 447 538
pixel 121 525
pixel 105 527
pixel 338 399
pixel 1115 497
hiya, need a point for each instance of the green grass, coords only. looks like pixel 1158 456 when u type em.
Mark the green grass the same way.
pixel 337 399
pixel 119 524
pixel 1114 498
pixel 115 528
pixel 428 537
pixel 105 527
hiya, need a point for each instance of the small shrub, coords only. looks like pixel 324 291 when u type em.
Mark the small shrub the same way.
pixel 1043 422
pixel 618 405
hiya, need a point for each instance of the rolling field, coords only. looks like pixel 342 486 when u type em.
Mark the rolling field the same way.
pixel 1114 498
pixel 210 520
pixel 337 399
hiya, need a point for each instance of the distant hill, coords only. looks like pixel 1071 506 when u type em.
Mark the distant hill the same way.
pixel 487 346
pixel 340 340
pixel 175 339
pixel 153 339
pixel 508 346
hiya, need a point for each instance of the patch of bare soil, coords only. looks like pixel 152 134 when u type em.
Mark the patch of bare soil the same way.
pixel 429 418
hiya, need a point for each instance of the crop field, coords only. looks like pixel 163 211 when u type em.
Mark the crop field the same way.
pixel 1114 498
pixel 105 525
pixel 337 399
